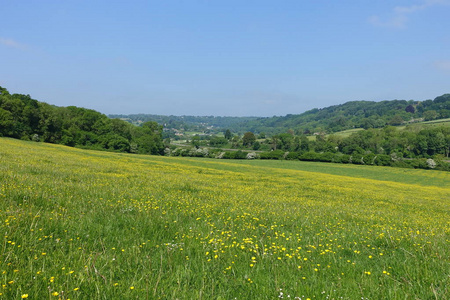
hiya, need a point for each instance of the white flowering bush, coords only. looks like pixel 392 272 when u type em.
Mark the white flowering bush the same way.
pixel 252 155
pixel 431 163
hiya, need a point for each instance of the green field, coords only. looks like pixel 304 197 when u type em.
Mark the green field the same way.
pixel 344 133
pixel 81 224
pixel 426 124
pixel 446 122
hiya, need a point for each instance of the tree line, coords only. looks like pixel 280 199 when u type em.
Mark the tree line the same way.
pixel 353 114
pixel 416 146
pixel 25 118
pixel 206 124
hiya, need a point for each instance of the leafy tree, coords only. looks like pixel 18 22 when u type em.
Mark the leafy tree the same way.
pixel 6 123
pixel 304 143
pixel 410 108
pixel 195 141
pixel 216 141
pixel 285 141
pixel 118 143
pixel 150 139
pixel 228 135
pixel 430 115
pixel 396 120
pixel 248 139
pixel 26 118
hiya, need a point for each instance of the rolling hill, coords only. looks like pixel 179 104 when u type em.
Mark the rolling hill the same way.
pixel 353 114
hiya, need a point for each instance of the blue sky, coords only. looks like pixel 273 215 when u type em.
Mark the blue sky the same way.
pixel 224 58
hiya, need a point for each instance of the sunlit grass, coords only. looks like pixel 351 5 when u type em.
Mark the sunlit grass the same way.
pixel 82 224
pixel 343 133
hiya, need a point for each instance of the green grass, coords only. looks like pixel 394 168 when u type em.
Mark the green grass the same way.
pixel 400 175
pixel 444 121
pixel 83 224
pixel 347 133
pixel 428 124
pixel 425 124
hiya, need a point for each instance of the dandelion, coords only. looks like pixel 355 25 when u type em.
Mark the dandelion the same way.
pixel 55 294
pixel 24 296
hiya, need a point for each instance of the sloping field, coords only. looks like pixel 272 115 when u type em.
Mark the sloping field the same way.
pixel 83 224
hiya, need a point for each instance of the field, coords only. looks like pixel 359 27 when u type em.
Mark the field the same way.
pixel 427 124
pixel 81 224
pixel 445 122
pixel 421 125
pixel 342 134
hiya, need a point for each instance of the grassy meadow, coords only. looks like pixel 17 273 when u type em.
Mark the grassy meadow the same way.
pixel 81 224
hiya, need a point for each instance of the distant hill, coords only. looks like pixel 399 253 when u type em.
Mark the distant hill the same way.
pixel 189 123
pixel 353 114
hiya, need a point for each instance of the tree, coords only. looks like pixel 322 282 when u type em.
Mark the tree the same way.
pixel 195 141
pixel 150 138
pixel 248 139
pixel 285 141
pixel 430 115
pixel 396 120
pixel 118 143
pixel 410 108
pixel 216 141
pixel 6 123
pixel 228 135
pixel 304 143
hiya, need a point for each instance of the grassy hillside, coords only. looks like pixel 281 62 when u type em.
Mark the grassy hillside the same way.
pixel 83 224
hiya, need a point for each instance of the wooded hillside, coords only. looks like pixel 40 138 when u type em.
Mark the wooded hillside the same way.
pixel 353 114
pixel 25 118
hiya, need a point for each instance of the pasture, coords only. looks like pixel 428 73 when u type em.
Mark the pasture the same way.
pixel 81 224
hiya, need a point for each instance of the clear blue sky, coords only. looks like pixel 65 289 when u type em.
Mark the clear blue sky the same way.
pixel 224 57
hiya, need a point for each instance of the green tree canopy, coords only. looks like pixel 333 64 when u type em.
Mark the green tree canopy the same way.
pixel 248 139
